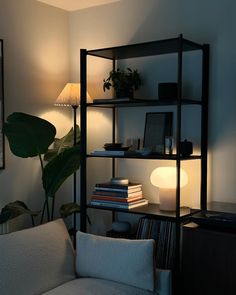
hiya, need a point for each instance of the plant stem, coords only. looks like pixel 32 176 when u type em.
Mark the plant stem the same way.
pixel 46 200
pixel 48 211
pixel 32 220
pixel 44 205
pixel 41 162
pixel 52 209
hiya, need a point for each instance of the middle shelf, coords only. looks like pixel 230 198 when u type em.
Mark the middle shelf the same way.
pixel 152 210
pixel 154 156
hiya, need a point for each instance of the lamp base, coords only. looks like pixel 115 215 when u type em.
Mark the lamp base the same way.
pixel 167 199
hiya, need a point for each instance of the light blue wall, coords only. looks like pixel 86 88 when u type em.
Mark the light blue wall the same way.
pixel 36 68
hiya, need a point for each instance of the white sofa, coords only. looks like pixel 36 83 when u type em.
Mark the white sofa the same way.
pixel 41 260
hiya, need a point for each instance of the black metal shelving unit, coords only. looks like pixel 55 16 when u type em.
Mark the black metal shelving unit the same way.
pixel 178 46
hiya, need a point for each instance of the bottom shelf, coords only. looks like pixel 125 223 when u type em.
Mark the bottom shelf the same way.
pixel 152 210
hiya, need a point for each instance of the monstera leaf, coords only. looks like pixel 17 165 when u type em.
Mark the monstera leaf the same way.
pixel 62 144
pixel 28 135
pixel 31 136
pixel 15 209
pixel 68 209
pixel 58 169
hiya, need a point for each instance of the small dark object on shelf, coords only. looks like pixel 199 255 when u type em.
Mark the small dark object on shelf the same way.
pixel 186 148
pixel 167 91
pixel 112 146
pixel 122 148
pixel 115 147
pixel 119 180
pixel 119 235
pixel 107 145
pixel 215 220
pixel 121 226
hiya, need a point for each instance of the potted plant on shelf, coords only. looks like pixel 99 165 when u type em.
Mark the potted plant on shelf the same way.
pixel 123 82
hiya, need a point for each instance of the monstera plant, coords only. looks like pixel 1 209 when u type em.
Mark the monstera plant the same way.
pixel 15 209
pixel 31 136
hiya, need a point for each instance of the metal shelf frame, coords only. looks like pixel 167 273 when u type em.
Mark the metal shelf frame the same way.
pixel 175 45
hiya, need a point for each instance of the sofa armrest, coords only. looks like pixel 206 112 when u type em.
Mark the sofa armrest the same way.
pixel 36 260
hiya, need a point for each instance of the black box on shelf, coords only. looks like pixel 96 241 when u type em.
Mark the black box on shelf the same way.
pixel 167 90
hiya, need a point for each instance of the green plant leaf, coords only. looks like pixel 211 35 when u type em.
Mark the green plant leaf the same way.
pixel 68 209
pixel 15 209
pixel 62 166
pixel 122 81
pixel 28 135
pixel 60 145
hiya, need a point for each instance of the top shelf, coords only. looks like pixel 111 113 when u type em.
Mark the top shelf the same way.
pixel 113 103
pixel 146 49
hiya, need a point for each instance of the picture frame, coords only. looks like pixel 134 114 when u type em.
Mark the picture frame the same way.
pixel 2 141
pixel 158 125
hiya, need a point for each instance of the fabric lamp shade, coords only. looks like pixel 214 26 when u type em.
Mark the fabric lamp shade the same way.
pixel 70 95
pixel 165 178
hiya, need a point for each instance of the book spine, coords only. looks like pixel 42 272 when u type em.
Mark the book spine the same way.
pixel 108 153
pixel 117 194
pixel 118 186
pixel 119 205
pixel 113 205
pixel 116 199
pixel 118 189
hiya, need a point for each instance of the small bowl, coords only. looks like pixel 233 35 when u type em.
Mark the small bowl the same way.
pixel 112 145
pixel 116 148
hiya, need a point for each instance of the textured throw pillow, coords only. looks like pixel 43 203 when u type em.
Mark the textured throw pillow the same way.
pixel 126 261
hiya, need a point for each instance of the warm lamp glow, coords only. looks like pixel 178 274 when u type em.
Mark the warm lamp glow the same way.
pixel 166 179
pixel 70 95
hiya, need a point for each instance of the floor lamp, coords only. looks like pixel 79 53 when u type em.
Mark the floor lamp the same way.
pixel 70 96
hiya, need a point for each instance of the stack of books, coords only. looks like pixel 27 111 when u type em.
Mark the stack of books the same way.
pixel 123 196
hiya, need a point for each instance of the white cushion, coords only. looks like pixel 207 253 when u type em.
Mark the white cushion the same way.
pixel 125 261
pixel 36 260
pixel 89 286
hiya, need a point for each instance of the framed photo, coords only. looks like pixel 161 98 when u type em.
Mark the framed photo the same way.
pixel 157 127
pixel 2 146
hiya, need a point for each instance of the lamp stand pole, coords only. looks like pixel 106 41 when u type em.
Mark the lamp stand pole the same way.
pixel 74 182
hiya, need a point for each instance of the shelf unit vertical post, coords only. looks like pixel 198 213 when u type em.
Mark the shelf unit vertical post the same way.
pixel 204 125
pixel 178 160
pixel 114 118
pixel 178 121
pixel 83 140
pixel 113 126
